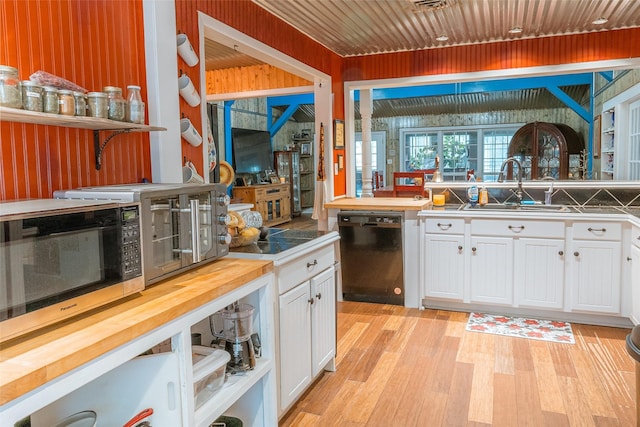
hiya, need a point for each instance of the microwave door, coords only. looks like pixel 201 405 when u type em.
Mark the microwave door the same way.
pixel 199 236
pixel 165 247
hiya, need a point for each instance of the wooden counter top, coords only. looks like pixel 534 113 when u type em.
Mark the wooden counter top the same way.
pixel 380 203
pixel 34 359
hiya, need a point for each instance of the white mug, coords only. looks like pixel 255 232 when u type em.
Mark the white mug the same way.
pixel 189 132
pixel 190 175
pixel 185 50
pixel 188 90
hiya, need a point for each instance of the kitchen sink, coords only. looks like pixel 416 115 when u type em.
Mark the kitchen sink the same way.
pixel 513 207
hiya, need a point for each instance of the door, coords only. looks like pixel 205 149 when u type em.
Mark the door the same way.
pixel 295 343
pixel 539 272
pixel 323 319
pixel 444 266
pixel 634 141
pixel 378 157
pixel 492 270
pixel 162 250
pixel 595 276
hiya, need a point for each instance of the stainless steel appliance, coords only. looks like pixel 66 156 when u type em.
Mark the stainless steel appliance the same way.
pixel 183 225
pixel 59 258
pixel 371 256
pixel 234 327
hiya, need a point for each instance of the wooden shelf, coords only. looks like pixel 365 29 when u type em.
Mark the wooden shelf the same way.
pixel 78 122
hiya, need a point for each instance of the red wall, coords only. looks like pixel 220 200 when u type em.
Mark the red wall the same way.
pixel 100 42
pixel 93 43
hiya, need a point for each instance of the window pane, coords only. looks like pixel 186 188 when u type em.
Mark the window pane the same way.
pixel 420 150
pixel 459 153
pixel 495 144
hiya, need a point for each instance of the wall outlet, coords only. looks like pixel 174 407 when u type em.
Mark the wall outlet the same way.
pixel 389 161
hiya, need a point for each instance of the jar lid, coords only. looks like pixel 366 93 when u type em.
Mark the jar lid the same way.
pixel 50 89
pixel 65 92
pixel 111 89
pixel 97 95
pixel 76 93
pixel 133 87
pixel 29 83
pixel 8 69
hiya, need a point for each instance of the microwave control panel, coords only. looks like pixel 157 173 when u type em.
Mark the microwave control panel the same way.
pixel 131 245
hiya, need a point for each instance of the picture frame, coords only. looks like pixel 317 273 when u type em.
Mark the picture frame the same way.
pixel 340 162
pixel 338 134
pixel 274 179
pixel 305 149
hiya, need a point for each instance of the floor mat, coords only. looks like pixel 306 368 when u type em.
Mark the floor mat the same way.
pixel 545 330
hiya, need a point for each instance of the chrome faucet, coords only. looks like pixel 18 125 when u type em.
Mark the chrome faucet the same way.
pixel 518 193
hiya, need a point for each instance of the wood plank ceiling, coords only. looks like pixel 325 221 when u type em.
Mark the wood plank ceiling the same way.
pixel 365 27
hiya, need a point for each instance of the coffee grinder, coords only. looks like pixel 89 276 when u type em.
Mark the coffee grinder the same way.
pixel 234 326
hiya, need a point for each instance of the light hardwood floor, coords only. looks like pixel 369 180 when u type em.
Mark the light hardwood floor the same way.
pixel 409 367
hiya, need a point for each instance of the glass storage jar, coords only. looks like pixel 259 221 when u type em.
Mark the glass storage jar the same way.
pixel 9 87
pixel 81 103
pixel 51 102
pixel 135 106
pixel 67 102
pixel 98 104
pixel 32 96
pixel 117 104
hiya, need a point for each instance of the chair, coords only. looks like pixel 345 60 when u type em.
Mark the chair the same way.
pixel 378 180
pixel 415 186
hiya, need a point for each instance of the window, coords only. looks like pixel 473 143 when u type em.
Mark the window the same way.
pixel 460 149
pixel 378 156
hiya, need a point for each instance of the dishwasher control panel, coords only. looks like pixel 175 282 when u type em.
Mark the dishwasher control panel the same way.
pixel 370 218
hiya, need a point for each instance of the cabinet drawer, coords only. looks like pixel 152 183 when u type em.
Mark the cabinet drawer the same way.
pixel 517 228
pixel 304 268
pixel 444 225
pixel 597 230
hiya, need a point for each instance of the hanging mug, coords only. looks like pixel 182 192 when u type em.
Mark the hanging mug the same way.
pixel 190 175
pixel 190 133
pixel 185 50
pixel 188 90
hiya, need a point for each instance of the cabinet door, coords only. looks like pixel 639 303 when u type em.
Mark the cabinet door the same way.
pixel 595 276
pixel 635 284
pixel 539 272
pixel 323 320
pixel 443 266
pixel 492 270
pixel 295 343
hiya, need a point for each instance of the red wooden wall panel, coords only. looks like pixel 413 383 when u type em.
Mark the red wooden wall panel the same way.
pixel 93 43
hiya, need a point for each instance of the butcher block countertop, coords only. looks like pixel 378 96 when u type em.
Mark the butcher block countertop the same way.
pixel 380 204
pixel 34 359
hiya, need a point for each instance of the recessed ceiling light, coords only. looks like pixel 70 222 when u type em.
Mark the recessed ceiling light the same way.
pixel 600 21
pixel 515 30
pixel 442 38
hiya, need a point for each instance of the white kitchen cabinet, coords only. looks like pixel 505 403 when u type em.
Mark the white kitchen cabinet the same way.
pixel 539 273
pixel 595 264
pixel 444 263
pixel 307 334
pixel 492 270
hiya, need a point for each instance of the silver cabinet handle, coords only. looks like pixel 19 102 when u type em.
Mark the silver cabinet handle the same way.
pixel 459 248
pixel 312 264
pixel 629 258
pixel 319 295
pixel 560 253
pixel 444 226
pixel 516 228
pixel 473 249
pixel 597 230
pixel 310 300
pixel 576 253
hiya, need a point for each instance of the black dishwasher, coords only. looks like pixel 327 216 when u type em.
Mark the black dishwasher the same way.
pixel 371 256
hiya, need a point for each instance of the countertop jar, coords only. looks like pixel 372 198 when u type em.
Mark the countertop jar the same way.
pixel 98 104
pixel 67 102
pixel 50 98
pixel 117 104
pixel 81 103
pixel 32 96
pixel 10 87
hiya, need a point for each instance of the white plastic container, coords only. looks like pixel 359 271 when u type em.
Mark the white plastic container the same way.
pixel 209 369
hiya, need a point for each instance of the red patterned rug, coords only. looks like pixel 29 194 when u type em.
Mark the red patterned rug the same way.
pixel 545 330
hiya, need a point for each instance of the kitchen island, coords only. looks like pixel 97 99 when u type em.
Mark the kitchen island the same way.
pixel 307 274
pixel 39 368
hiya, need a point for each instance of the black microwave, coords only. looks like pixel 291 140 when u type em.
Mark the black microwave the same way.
pixel 59 258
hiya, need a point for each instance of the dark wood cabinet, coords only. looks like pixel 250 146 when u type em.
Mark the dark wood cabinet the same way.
pixel 547 150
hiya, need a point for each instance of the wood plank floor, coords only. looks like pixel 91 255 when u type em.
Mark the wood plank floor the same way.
pixel 408 367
